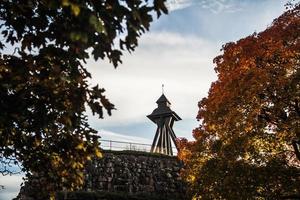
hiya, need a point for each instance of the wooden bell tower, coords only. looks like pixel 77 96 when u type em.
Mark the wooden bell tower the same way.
pixel 164 118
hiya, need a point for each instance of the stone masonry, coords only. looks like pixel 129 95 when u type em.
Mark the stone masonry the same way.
pixel 134 172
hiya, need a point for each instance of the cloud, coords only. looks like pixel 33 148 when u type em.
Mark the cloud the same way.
pixel 215 6
pixel 117 141
pixel 12 186
pixel 178 4
pixel 183 64
pixel 108 135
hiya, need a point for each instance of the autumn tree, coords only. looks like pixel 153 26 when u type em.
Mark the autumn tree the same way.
pixel 247 144
pixel 44 82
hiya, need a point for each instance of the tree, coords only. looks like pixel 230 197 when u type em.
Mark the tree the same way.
pixel 247 143
pixel 44 84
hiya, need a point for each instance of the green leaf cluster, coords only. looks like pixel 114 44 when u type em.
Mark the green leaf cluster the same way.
pixel 44 82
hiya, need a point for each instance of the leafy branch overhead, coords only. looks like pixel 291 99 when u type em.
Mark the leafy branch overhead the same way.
pixel 44 82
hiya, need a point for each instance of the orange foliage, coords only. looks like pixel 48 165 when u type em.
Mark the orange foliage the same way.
pixel 250 118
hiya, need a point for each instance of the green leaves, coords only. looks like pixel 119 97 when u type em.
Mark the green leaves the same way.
pixel 95 94
pixel 159 5
pixel 79 37
pixel 98 24
pixel 75 8
pixel 44 88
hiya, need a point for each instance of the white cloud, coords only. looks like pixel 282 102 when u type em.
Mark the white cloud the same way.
pixel 183 64
pixel 178 4
pixel 215 6
pixel 12 186
pixel 108 135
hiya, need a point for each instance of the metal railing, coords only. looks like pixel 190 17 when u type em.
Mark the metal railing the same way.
pixel 129 146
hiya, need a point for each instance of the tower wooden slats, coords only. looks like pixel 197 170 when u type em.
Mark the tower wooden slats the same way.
pixel 164 118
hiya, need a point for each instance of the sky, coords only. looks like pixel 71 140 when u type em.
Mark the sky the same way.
pixel 177 52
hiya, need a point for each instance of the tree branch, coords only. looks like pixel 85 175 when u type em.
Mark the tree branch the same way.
pixel 296 145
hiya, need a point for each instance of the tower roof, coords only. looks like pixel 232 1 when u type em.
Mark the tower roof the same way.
pixel 163 109
pixel 162 99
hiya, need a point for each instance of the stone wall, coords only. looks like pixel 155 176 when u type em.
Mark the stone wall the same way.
pixel 126 175
pixel 134 172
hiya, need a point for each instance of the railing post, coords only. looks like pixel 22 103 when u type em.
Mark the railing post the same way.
pixel 110 145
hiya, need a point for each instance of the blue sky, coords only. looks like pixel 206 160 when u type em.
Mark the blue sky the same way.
pixel 177 52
